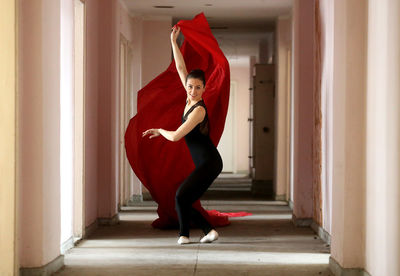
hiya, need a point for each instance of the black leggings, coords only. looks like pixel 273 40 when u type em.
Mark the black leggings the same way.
pixel 194 186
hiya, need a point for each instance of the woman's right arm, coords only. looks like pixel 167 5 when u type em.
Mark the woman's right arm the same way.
pixel 179 61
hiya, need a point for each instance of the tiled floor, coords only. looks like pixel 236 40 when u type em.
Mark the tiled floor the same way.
pixel 265 243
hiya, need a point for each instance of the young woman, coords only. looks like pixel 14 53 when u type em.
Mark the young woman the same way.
pixel 205 156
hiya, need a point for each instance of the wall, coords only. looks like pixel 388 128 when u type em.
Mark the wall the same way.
pixel 239 44
pixel 91 110
pixel 156 47
pixel 8 108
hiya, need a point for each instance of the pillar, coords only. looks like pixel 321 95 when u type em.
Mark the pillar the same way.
pixel 303 81
pixel 383 139
pixel 8 249
pixel 348 130
pixel 38 160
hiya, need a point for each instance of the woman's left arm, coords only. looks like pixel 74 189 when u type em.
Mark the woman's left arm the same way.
pixel 194 118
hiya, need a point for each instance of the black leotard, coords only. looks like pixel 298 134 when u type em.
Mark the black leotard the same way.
pixel 200 145
pixel 208 164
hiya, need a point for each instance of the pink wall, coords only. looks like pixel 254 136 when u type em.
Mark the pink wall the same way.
pixel 156 53
pixel 91 109
pixel 106 91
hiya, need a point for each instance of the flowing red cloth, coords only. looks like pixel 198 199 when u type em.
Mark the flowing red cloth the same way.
pixel 162 165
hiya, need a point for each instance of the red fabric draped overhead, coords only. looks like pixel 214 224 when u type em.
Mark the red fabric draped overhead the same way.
pixel 162 165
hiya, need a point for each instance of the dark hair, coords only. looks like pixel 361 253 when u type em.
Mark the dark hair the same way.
pixel 197 74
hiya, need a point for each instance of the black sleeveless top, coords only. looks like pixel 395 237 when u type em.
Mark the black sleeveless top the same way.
pixel 198 140
pixel 203 126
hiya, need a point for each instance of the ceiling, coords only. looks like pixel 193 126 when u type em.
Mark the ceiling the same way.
pixel 231 14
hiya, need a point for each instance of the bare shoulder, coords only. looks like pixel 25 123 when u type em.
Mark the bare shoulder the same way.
pixel 200 110
pixel 198 113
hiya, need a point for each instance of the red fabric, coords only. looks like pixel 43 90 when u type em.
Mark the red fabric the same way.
pixel 162 165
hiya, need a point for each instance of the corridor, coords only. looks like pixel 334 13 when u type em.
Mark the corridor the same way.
pixel 310 142
pixel 265 243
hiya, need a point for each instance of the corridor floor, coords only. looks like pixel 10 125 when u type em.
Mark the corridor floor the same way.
pixel 265 243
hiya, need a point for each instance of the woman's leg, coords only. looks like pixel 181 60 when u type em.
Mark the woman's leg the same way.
pixel 191 190
pixel 200 221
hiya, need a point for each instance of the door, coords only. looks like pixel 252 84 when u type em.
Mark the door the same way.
pixel 264 125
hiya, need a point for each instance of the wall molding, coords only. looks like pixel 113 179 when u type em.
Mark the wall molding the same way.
pixel 290 204
pixel 337 270
pixel 90 229
pixel 47 269
pixel 321 232
pixel 280 197
pixel 67 245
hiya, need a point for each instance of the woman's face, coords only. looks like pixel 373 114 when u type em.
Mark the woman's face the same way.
pixel 194 89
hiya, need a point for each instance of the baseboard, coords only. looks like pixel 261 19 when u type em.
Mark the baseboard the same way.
pixel 134 200
pixel 291 205
pixel 245 172
pixel 108 221
pixel 301 222
pixel 325 236
pixel 90 229
pixel 45 270
pixel 337 270
pixel 67 245
pixel 280 197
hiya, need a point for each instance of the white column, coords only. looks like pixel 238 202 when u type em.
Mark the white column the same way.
pixel 348 159
pixel 383 140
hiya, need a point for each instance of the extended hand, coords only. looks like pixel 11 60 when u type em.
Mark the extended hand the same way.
pixel 175 33
pixel 153 132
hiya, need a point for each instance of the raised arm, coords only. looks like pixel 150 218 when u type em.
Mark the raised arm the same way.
pixel 179 61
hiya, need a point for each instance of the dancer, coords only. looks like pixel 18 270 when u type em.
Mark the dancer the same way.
pixel 205 156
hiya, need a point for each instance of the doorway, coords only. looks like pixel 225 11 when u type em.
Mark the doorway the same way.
pixel 263 129
pixel 227 145
pixel 126 111
pixel 79 118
